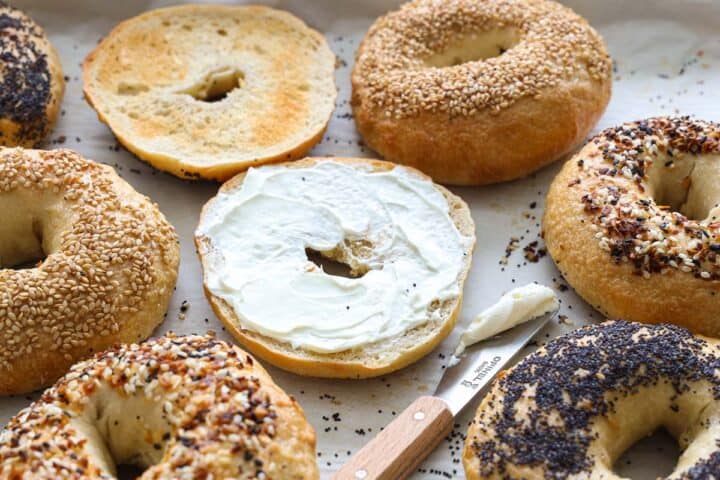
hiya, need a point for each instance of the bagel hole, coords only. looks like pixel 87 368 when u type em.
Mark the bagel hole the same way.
pixel 130 432
pixel 216 85
pixel 687 185
pixel 128 472
pixel 660 447
pixel 330 265
pixel 29 264
pixel 28 253
pixel 475 46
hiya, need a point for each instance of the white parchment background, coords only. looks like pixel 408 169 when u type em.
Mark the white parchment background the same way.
pixel 667 56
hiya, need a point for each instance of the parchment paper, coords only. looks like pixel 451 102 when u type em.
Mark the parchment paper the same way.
pixel 667 56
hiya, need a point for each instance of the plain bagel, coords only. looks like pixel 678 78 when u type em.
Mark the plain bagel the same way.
pixel 474 92
pixel 572 408
pixel 405 242
pixel 86 262
pixel 210 90
pixel 31 80
pixel 178 407
pixel 632 222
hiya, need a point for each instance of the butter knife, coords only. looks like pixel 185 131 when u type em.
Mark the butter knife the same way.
pixel 400 447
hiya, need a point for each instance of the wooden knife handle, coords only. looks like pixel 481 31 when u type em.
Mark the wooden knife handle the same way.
pixel 396 451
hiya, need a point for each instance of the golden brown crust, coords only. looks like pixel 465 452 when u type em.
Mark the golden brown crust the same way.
pixel 178 407
pixel 373 360
pixel 110 269
pixel 654 286
pixel 31 80
pixel 276 114
pixel 482 121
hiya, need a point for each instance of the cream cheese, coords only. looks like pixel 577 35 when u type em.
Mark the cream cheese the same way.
pixel 259 233
pixel 518 306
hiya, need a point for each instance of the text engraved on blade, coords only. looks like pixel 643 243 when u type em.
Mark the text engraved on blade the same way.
pixel 482 371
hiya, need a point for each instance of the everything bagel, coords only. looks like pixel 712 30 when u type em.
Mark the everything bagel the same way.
pixel 632 222
pixel 178 407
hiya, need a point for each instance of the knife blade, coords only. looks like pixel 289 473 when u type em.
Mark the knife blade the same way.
pixel 481 362
pixel 399 448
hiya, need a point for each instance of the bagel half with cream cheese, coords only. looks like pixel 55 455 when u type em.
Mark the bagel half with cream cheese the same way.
pixel 210 90
pixel 406 242
pixel 477 92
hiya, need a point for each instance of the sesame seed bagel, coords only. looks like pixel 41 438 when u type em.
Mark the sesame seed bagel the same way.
pixel 85 261
pixel 632 222
pixel 31 80
pixel 266 280
pixel 210 90
pixel 477 92
pixel 179 407
pixel 571 409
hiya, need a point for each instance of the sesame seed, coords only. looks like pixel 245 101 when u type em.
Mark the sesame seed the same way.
pixel 103 271
pixel 391 71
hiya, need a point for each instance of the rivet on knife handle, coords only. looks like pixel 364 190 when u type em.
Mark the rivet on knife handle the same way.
pixel 396 451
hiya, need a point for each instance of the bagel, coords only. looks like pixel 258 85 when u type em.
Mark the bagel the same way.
pixel 571 409
pixel 632 222
pixel 210 90
pixel 473 93
pixel 31 80
pixel 85 261
pixel 180 407
pixel 406 242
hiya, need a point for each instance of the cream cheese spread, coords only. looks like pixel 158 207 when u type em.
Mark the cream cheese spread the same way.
pixel 518 306
pixel 402 235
